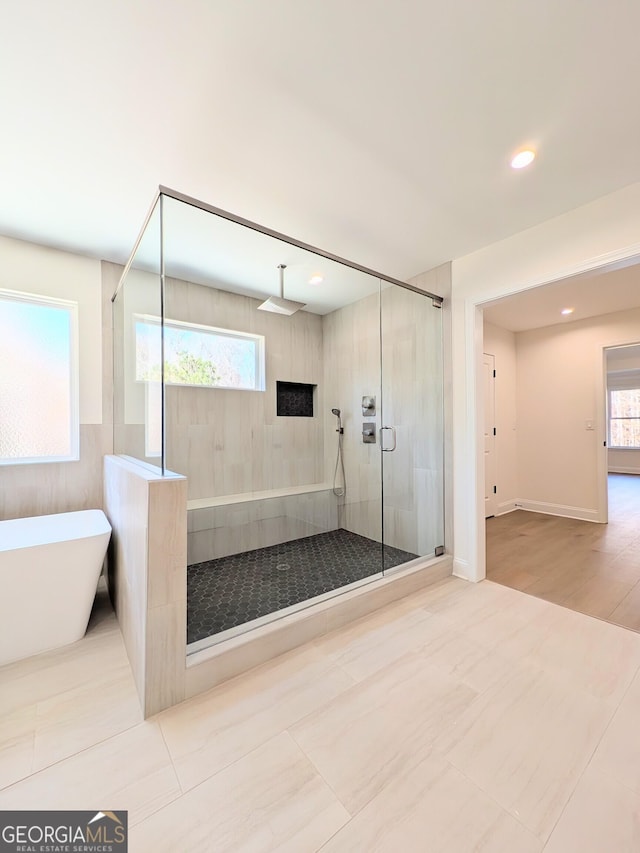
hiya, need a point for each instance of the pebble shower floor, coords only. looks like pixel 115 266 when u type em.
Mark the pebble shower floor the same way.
pixel 230 591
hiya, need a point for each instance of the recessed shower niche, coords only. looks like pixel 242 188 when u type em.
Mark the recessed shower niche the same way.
pixel 294 400
pixel 286 504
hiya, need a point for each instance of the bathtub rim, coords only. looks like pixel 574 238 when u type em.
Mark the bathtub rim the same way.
pixel 37 530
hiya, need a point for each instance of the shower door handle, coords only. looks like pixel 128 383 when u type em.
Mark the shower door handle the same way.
pixel 393 433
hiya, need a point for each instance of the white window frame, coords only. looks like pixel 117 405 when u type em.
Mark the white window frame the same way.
pixel 228 333
pixel 629 383
pixel 74 376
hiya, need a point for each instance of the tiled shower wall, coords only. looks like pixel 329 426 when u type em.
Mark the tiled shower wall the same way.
pixel 230 442
pixel 351 370
pixel 218 531
pixel 413 403
pixel 412 387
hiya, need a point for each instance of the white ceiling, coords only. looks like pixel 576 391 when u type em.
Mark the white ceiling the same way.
pixel 590 294
pixel 378 131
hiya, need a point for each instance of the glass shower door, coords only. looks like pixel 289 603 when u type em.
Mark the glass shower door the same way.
pixel 411 434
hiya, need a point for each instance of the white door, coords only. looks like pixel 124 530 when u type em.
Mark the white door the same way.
pixel 490 499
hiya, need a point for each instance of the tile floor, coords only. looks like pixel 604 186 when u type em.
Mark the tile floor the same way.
pixel 463 718
pixel 230 591
pixel 590 568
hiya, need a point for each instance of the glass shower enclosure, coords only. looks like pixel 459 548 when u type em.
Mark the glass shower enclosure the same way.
pixel 302 397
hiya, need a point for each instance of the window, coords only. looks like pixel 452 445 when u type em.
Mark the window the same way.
pixel 624 417
pixel 199 355
pixel 38 379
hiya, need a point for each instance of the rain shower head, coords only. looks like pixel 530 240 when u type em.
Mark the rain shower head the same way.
pixel 280 305
pixel 287 307
pixel 335 412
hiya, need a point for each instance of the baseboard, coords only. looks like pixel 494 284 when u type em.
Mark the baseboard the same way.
pixel 562 510
pixel 618 469
pixel 460 569
pixel 507 506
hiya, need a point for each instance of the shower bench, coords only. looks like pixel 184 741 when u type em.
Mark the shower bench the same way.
pixel 231 524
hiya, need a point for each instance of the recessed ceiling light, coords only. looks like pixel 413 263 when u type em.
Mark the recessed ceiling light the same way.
pixel 316 279
pixel 523 158
pixel 567 310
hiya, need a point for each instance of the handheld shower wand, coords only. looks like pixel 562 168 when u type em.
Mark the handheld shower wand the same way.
pixel 339 491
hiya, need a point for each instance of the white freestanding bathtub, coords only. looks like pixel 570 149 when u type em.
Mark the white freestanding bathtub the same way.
pixel 49 571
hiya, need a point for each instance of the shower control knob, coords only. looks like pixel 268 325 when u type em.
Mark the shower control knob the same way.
pixel 368 406
pixel 368 433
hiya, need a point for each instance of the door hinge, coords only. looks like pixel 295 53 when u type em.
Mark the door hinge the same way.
pixel 494 374
pixel 495 490
pixel 494 431
pixel 436 304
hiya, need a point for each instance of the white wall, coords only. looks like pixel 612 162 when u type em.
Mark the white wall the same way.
pixel 606 231
pixel 501 343
pixel 560 387
pixel 549 383
pixel 58 487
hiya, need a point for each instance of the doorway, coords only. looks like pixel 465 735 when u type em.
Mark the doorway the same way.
pixel 555 550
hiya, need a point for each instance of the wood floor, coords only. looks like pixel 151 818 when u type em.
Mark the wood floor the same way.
pixel 465 717
pixel 590 568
